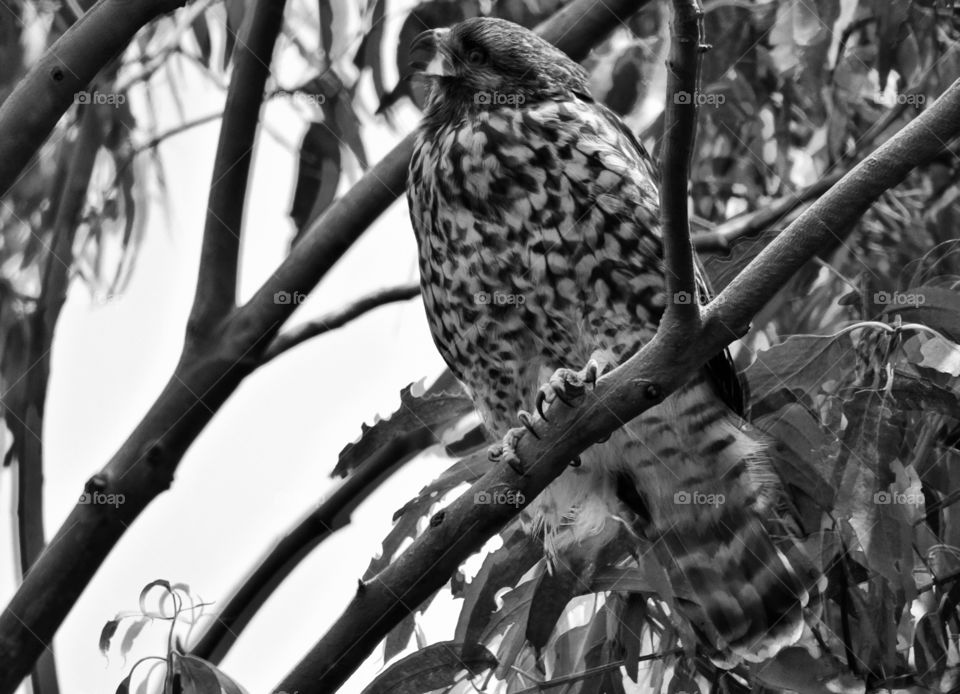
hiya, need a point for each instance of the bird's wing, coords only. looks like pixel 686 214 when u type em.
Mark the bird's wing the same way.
pixel 722 371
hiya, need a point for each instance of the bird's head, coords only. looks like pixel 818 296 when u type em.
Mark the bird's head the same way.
pixel 484 63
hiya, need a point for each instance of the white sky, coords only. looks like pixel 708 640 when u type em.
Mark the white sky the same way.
pixel 266 457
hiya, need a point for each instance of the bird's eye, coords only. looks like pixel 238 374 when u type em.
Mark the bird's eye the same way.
pixel 476 57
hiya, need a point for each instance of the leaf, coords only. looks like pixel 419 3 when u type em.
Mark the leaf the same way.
pixel 919 394
pixel 431 668
pixel 197 676
pixel 550 597
pixel 133 631
pixel 369 53
pixel 800 363
pixel 235 12
pixel 501 568
pixel 511 620
pixel 201 32
pixel 107 633
pixel 435 412
pixel 930 647
pixel 800 441
pixel 348 127
pixel 942 355
pixel 318 175
pixel 406 519
pixel 159 583
pixel 631 626
pixel 326 30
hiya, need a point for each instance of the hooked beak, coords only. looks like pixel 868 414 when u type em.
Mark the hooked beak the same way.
pixel 428 54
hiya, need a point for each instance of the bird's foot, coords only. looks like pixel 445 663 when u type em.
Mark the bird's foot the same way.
pixel 506 450
pixel 567 386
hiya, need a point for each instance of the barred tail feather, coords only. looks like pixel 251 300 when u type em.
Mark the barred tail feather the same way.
pixel 748 599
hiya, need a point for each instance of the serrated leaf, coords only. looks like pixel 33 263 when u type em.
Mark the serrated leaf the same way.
pixel 800 363
pixel 468 469
pixel 438 665
pixel 435 412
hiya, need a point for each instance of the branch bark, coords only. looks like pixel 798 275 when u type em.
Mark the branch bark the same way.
pixel 31 111
pixel 215 295
pixel 657 369
pixel 300 334
pixel 680 128
pixel 209 371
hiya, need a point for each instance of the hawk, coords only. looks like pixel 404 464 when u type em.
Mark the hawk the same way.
pixel 536 216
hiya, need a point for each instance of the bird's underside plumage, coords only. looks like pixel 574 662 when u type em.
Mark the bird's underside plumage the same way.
pixel 539 242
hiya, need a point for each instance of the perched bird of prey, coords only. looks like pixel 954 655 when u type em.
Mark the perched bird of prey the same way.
pixel 536 216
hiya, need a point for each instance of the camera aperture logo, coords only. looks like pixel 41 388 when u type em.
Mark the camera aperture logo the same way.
pixel 114 99
pixel 102 499
pixel 294 298
pixel 699 98
pixel 898 498
pixel 500 497
pixel 498 99
pixel 697 498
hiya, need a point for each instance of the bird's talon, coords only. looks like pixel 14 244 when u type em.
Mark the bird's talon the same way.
pixel 541 398
pixel 526 419
pixel 506 450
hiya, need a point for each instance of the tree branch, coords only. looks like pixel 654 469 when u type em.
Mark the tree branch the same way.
pixel 329 516
pixel 216 290
pixel 680 127
pixel 31 111
pixel 337 319
pixel 661 366
pixel 207 375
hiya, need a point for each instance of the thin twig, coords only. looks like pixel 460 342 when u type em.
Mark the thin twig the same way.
pixel 337 319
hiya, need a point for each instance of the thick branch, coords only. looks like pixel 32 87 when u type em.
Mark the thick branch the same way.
pixel 680 126
pixel 206 376
pixel 658 368
pixel 300 334
pixel 217 284
pixel 31 111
